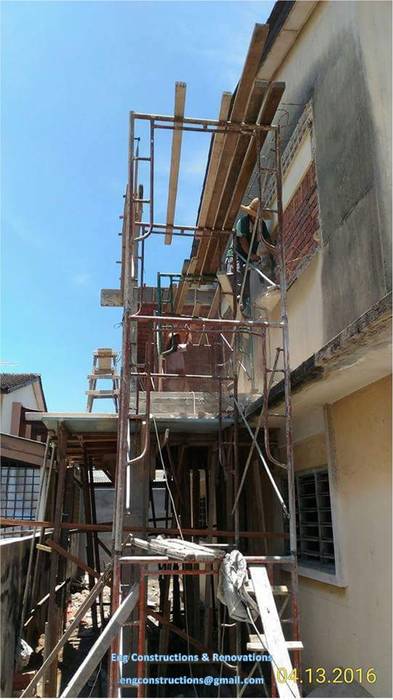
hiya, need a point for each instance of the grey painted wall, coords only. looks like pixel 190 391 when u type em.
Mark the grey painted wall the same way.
pixel 104 505
pixel 356 269
pixel 341 62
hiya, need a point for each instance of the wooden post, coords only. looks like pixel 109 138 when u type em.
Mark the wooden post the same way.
pixel 29 691
pixel 275 641
pixel 54 610
pixel 16 418
pixel 165 609
pixel 89 535
pixel 136 516
pixel 99 648
pixel 93 512
pixel 212 523
pixel 180 98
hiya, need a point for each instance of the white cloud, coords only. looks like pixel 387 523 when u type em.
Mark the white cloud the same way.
pixel 81 279
pixel 23 231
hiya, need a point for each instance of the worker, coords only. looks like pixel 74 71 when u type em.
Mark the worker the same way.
pixel 244 230
pixel 175 345
pixel 175 360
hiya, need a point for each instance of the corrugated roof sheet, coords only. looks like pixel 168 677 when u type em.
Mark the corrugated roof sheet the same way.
pixel 10 381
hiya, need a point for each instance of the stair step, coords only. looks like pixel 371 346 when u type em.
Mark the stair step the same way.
pixel 103 375
pixel 277 590
pixel 255 645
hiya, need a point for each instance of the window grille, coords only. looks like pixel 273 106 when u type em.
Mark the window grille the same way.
pixel 202 523
pixel 314 528
pixel 314 520
pixel 20 485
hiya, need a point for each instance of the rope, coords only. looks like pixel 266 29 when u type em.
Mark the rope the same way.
pixel 174 511
pixel 167 482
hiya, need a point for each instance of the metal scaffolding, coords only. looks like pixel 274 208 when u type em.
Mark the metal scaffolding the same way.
pixel 224 334
pixel 235 447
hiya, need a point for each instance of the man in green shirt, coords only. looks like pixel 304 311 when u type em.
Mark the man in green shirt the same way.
pixel 244 233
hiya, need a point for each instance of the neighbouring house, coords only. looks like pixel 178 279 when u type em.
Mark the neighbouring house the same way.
pixel 335 118
pixel 335 60
pixel 337 150
pixel 22 445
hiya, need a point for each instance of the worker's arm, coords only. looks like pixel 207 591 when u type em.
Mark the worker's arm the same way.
pixel 241 233
pixel 245 248
pixel 172 348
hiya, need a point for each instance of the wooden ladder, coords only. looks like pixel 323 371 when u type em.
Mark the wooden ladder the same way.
pixel 103 368
pixel 272 641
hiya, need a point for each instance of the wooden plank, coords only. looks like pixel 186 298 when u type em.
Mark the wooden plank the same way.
pixel 269 109
pixel 111 297
pixel 225 283
pixel 16 417
pixel 257 97
pixel 226 292
pixel 215 304
pixel 250 70
pixel 54 610
pixel 46 597
pixel 165 606
pixel 22 449
pixel 99 648
pixel 280 590
pixel 256 645
pixel 237 115
pixel 177 134
pixel 69 631
pixel 214 161
pixel 43 548
pixel 217 144
pixel 195 532
pixel 274 638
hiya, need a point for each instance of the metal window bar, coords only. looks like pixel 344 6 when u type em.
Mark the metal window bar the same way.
pixel 20 485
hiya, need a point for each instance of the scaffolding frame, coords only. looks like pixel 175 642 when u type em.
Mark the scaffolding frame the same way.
pixel 136 231
pixel 226 333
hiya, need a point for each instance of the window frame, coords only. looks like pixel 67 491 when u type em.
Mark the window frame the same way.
pixel 304 563
pixel 339 579
pixel 14 499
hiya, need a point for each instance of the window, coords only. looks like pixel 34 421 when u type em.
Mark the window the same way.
pixel 314 520
pixel 202 521
pixel 20 485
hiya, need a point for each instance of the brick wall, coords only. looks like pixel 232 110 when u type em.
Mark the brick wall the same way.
pixel 301 224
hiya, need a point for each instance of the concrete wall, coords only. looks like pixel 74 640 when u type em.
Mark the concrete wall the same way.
pixel 104 506
pixel 349 624
pixel 14 557
pixel 341 63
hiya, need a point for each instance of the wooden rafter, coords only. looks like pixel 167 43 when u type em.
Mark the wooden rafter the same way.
pixel 218 142
pixel 180 100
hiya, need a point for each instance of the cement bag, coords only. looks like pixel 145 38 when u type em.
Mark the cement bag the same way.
pixel 231 590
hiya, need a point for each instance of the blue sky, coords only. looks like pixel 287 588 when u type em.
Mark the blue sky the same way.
pixel 71 71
